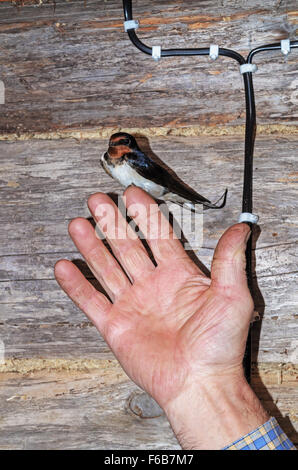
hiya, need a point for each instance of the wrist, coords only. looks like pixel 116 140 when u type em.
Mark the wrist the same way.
pixel 212 412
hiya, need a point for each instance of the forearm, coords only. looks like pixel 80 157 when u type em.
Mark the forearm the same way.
pixel 215 412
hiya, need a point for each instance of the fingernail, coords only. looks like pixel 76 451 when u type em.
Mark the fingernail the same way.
pixel 247 236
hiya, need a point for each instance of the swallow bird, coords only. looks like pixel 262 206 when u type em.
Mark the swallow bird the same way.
pixel 126 163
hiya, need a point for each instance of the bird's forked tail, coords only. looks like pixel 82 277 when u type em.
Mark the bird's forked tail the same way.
pixel 216 205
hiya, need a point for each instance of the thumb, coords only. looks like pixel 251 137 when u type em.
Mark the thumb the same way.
pixel 229 262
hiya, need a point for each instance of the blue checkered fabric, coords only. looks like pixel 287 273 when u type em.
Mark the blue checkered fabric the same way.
pixel 268 436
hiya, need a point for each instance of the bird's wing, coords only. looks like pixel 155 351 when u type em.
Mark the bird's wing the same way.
pixel 145 167
pixel 153 171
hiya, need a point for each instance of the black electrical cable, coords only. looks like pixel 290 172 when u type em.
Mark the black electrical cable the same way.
pixel 268 47
pixel 127 8
pixel 250 132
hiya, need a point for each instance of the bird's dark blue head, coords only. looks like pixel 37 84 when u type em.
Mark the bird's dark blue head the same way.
pixel 120 144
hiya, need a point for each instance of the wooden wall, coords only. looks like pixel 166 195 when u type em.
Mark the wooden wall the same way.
pixel 72 78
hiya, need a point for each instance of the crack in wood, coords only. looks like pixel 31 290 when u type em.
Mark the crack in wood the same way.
pixel 33 365
pixel 30 365
pixel 191 131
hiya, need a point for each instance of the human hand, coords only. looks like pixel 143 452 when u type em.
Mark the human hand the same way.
pixel 170 326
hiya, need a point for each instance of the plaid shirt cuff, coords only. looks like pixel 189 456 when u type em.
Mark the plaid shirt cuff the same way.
pixel 268 436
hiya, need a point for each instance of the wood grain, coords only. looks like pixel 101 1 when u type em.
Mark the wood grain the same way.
pixel 37 175
pixel 73 66
pixel 72 78
pixel 50 346
pixel 47 183
pixel 38 321
pixel 91 409
pixel 77 410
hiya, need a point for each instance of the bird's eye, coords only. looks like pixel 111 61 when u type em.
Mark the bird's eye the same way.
pixel 125 141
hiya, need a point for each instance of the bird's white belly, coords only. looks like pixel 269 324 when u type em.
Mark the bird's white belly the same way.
pixel 126 175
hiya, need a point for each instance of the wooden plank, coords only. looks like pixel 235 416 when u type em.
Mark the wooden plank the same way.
pixel 74 67
pixel 55 349
pixel 270 261
pixel 99 400
pixel 48 183
pixel 37 320
pixel 77 410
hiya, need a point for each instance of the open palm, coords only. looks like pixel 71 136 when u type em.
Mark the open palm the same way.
pixel 167 323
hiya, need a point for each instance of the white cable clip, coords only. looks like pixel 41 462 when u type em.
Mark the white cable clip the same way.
pixel 156 52
pixel 248 68
pixel 213 51
pixel 285 46
pixel 248 217
pixel 130 24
